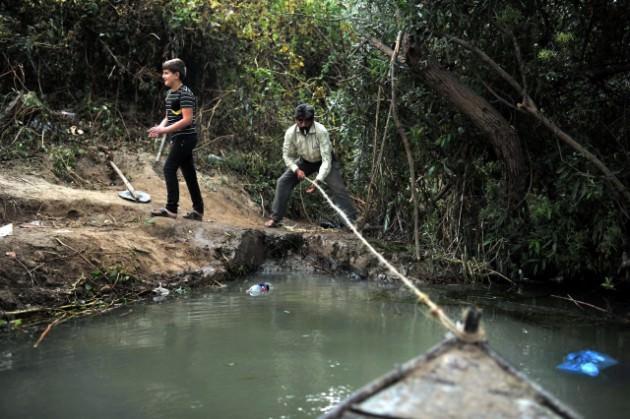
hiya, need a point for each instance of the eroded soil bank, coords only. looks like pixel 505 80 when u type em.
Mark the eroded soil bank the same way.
pixel 79 249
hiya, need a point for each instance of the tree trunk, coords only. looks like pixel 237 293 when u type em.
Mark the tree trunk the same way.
pixel 498 131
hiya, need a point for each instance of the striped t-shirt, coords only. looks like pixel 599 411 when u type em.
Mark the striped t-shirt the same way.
pixel 175 101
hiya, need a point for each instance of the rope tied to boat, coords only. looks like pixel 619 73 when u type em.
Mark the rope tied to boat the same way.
pixel 435 310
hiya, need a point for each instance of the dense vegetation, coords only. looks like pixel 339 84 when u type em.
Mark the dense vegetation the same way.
pixel 511 114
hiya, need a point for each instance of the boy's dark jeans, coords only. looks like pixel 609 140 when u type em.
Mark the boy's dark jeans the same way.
pixel 181 157
pixel 334 181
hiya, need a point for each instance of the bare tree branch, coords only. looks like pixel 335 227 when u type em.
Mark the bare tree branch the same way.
pixel 384 48
pixel 529 106
pixel 499 133
pixel 519 58
pixel 407 145
pixel 499 98
pixel 491 63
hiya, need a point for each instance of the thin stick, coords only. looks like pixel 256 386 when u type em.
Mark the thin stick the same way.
pixel 76 252
pixel 23 311
pixel 219 284
pixel 47 330
pixel 28 271
pixel 262 204
pixel 577 303
pixel 407 146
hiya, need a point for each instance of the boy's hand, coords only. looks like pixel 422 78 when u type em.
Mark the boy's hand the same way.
pixel 155 131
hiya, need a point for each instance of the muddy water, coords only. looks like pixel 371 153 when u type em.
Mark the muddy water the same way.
pixel 291 354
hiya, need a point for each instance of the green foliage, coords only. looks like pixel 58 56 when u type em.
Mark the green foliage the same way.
pixel 12 324
pixel 112 275
pixel 64 160
pixel 546 54
pixel 250 63
pixel 570 223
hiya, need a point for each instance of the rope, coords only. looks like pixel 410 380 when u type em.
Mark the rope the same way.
pixel 435 310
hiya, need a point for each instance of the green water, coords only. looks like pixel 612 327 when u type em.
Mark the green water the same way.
pixel 291 354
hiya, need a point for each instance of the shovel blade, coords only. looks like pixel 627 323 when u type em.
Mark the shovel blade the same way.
pixel 143 197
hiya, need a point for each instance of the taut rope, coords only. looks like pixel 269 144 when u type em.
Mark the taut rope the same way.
pixel 435 310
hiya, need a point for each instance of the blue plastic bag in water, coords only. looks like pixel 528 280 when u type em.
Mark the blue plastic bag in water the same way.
pixel 586 362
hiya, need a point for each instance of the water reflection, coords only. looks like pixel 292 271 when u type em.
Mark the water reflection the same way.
pixel 293 353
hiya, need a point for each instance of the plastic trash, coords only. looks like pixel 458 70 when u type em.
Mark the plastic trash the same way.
pixel 6 230
pixel 32 224
pixel 161 290
pixel 259 289
pixel 214 160
pixel 69 115
pixel 586 362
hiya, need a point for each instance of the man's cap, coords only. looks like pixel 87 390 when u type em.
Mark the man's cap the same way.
pixel 304 110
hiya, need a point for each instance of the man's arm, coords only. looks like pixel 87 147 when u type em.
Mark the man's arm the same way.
pixel 325 150
pixel 288 151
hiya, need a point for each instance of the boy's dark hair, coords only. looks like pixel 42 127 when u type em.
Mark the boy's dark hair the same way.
pixel 305 111
pixel 175 65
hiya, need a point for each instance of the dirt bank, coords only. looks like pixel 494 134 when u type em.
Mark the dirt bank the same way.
pixel 78 248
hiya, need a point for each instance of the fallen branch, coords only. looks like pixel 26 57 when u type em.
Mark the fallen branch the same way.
pixel 17 313
pixel 76 252
pixel 219 284
pixel 47 330
pixel 577 303
pixel 28 271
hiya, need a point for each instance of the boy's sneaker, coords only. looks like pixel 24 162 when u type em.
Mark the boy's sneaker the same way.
pixel 194 215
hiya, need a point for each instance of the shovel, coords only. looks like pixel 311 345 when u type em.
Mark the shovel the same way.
pixel 156 163
pixel 159 154
pixel 130 194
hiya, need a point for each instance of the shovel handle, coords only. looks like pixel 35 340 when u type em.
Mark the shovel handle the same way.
pixel 159 154
pixel 130 188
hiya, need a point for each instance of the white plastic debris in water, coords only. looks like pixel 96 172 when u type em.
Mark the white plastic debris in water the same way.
pixel 259 289
pixel 6 230
pixel 32 224
pixel 161 290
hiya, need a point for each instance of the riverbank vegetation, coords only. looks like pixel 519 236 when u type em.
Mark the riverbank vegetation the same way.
pixel 492 135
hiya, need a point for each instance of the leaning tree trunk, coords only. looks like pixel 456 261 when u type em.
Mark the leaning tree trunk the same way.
pixel 498 131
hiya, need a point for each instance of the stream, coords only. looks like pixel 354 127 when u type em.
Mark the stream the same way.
pixel 293 353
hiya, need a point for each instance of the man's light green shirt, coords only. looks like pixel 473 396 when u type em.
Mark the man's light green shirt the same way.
pixel 313 147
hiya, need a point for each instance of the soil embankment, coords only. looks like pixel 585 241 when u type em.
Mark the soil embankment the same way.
pixel 80 249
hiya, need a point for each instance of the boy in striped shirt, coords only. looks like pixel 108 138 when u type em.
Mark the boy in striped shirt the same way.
pixel 179 124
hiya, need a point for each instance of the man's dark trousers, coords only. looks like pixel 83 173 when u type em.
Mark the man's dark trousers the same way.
pixel 181 157
pixel 334 181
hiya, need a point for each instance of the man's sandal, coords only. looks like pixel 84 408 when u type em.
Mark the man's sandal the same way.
pixel 273 223
pixel 194 215
pixel 163 212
